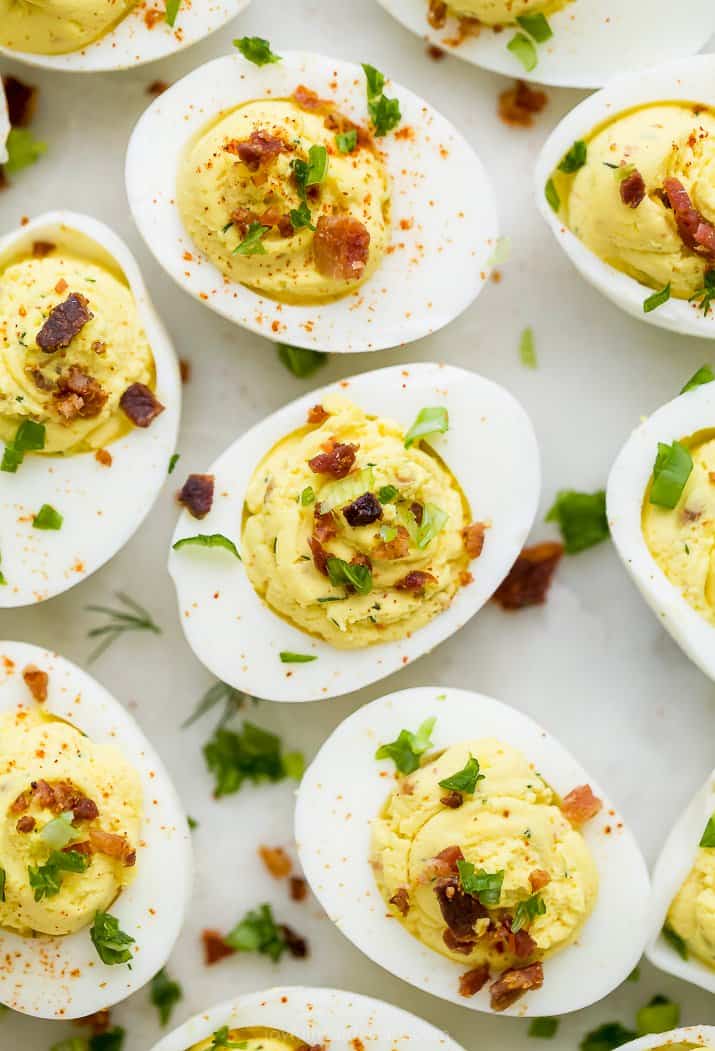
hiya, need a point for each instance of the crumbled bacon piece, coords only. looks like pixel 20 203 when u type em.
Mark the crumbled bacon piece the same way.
pixel 197 494
pixel 437 14
pixel 391 550
pixel 473 536
pixel 337 463
pixel 444 863
pixel 103 457
pixel 363 511
pixel 22 803
pixel 529 579
pixel 296 945
pixel 341 246
pixel 520 943
pixel 298 888
pixel 452 799
pixel 320 555
pixel 580 805
pixel 308 99
pixel 79 395
pixel 140 404
pixel 85 847
pixel 259 148
pixel 100 1021
pixel 25 823
pixel 514 983
pixel 273 216
pixel 324 525
pixel 184 370
pixel 632 189
pixel 694 229
pixel 21 101
pixel 157 87
pixel 461 945
pixel 39 379
pixel 36 681
pixel 63 323
pixel 460 910
pixel 518 105
pixel 40 249
pixel 44 794
pixel 276 861
pixel 215 948
pixel 472 981
pixel 84 809
pixel 401 900
pixel 418 512
pixel 539 879
pixel 416 580
pixel 317 414
pixel 112 846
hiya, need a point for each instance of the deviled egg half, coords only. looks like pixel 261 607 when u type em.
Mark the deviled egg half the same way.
pixel 682 937
pixel 373 518
pixel 661 511
pixel 626 183
pixel 468 853
pixel 95 854
pixel 86 36
pixel 310 201
pixel 572 43
pixel 688 1038
pixel 294 1018
pixel 89 403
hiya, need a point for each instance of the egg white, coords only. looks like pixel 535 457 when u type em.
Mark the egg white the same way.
pixel 491 450
pixel 439 186
pixel 132 43
pixel 685 415
pixel 690 1034
pixel 102 507
pixel 593 41
pixel 675 861
pixel 328 1016
pixel 692 80
pixel 343 792
pixel 36 974
pixel 4 124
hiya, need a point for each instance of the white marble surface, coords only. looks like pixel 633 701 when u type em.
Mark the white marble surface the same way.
pixel 593 664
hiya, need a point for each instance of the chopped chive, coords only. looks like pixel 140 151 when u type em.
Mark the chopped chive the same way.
pixel 296 658
pixel 524 50
pixel 208 540
pixel 47 518
pixel 671 471
pixel 552 195
pixel 656 300
pixel 527 349
pixel 256 50
pixel 536 26
pixel 704 375
pixel 575 158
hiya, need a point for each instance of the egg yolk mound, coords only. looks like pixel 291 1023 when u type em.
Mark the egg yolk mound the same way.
pixel 53 27
pixel 257 1038
pixel 74 388
pixel 70 816
pixel 692 913
pixel 362 558
pixel 682 540
pixel 644 200
pixel 499 12
pixel 279 200
pixel 539 878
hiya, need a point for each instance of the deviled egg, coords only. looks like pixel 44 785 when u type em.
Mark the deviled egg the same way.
pixel 373 517
pixel 311 202
pixel 85 36
pixel 682 939
pixel 471 855
pixel 89 403
pixel 91 825
pixel 627 184
pixel 688 1038
pixel 661 510
pixel 571 43
pixel 294 1018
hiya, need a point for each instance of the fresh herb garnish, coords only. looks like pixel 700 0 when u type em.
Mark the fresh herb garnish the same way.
pixel 384 112
pixel 307 173
pixel 172 10
pixel 552 195
pixel 256 50
pixel 705 296
pixel 47 518
pixel 607 1037
pixel 220 1040
pixel 675 941
pixel 543 1028
pixel 658 1016
pixel 345 490
pixel 301 361
pixel 524 50
pixel 486 886
pixel 23 149
pixel 110 941
pixel 466 779
pixel 671 471
pixel 258 932
pixel 120 621
pixel 527 349
pixel 301 217
pixel 296 658
pixel 536 26
pixel 173 462
pixel 657 299
pixel 346 141
pixel 387 533
pixel 575 158
pixel 46 880
pixel 252 244
pixel 208 540
pixel 707 839
pixel 111 1040
pixel 406 750
pixel 526 912
pixel 341 572
pixel 29 437
pixel 433 522
pixel 703 375
pixel 165 995
pixel 430 420
pixel 387 494
pixel 249 754
pixel 307 497
pixel 581 518
pixel 220 693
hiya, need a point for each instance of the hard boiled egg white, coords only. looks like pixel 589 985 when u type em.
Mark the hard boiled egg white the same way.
pixel 345 789
pixel 63 977
pixel 627 483
pixel 102 506
pixel 593 40
pixel 143 36
pixel 671 869
pixel 692 80
pixel 443 209
pixel 491 450
pixel 341 1021
pixel 698 1035
pixel 4 125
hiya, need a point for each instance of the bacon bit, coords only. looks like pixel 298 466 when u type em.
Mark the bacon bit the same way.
pixel 472 981
pixel 83 809
pixel 416 580
pixel 632 189
pixel 473 537
pixel 460 910
pixel 518 105
pixel 21 101
pixel 44 795
pixel 435 53
pixel 276 861
pixel 40 249
pixel 443 864
pixel 455 944
pixel 99 347
pixel 36 681
pixel 63 323
pixel 215 948
pixel 324 525
pixel 337 463
pixel 140 404
pixel 529 579
pixel 520 943
pixel 360 559
pixel 112 846
pixel 296 945
pixel 437 14
pixel 453 800
pixel 103 457
pixel 39 379
pixel 341 246
pixel 79 848
pixel 184 370
pixel 79 394
pixel 401 900
pixel 391 550
pixel 22 803
pixel 514 983
pixel 320 555
pixel 298 888
pixel 61 286
pixel 694 229
pixel 539 879
pixel 259 148
pixel 100 1021
pixel 197 494
pixel 317 414
pixel 157 87
pixel 25 824
pixel 418 512
pixel 152 17
pixel 580 805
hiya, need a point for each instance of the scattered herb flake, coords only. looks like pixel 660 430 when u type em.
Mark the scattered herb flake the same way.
pixel 252 244
pixel 536 26
pixel 552 195
pixel 256 50
pixel 296 658
pixel 486 886
pixel 172 10
pixel 165 994
pixel 430 420
pixel 307 497
pixel 208 540
pixel 258 932
pixel 575 158
pixel 301 361
pixel 658 1016
pixel 657 299
pixel 527 349
pixel 581 518
pixel 671 471
pixel 110 941
pixel 406 750
pixel 607 1037
pixel 346 141
pixel 23 149
pixel 543 1028
pixel 708 837
pixel 341 572
pixel 384 112
pixel 526 912
pixel 173 462
pixel 703 375
pixel 705 296
pixel 387 494
pixel 249 754
pixel 466 779
pixel 524 49
pixel 47 518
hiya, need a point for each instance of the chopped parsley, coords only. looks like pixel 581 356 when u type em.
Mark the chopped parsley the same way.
pixel 252 244
pixel 705 296
pixel 346 141
pixel 524 49
pixel 708 837
pixel 526 912
pixel 173 462
pixel 675 941
pixel 581 518
pixel 296 658
pixel 47 518
pixel 172 10
pixel 248 754
pixel 527 349
pixel 430 420
pixel 387 494
pixel 406 750
pixel 607 1037
pixel 575 158
pixel 110 941
pixel 543 1028
pixel 552 195
pixel 165 995
pixel 703 375
pixel 466 779
pixel 132 618
pixel 29 437
pixel 23 149
pixel 657 299
pixel 671 471
pixel 46 880
pixel 258 932
pixel 208 540
pixel 347 573
pixel 658 1016
pixel 301 361
pixel 536 26
pixel 486 886
pixel 384 112
pixel 256 50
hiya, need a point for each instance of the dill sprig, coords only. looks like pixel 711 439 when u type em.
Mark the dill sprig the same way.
pixel 119 621
pixel 220 693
